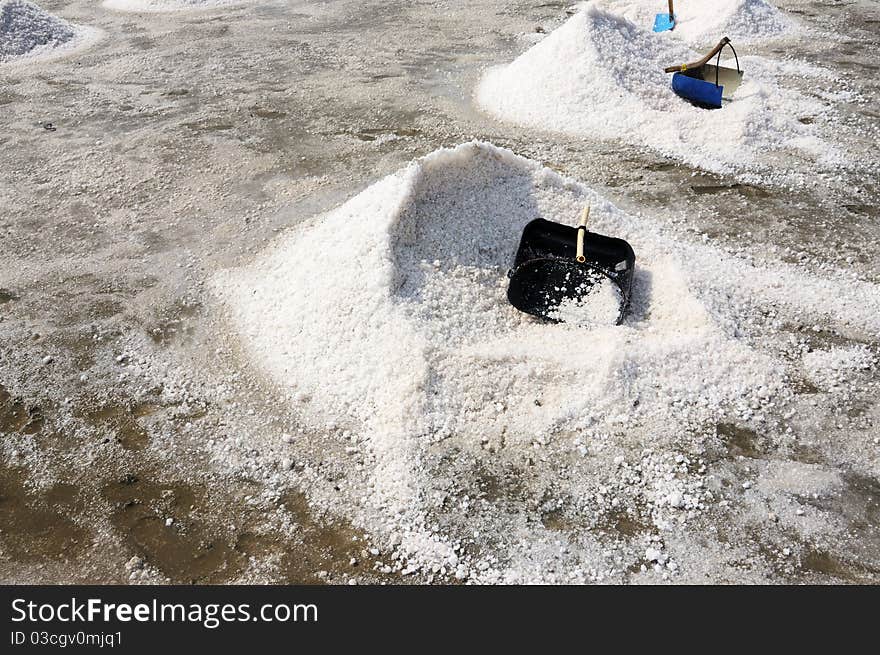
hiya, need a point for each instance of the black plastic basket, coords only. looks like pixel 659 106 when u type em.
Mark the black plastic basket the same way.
pixel 546 272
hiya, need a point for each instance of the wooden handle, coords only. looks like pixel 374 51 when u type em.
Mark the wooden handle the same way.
pixel 675 69
pixel 582 231
pixel 671 12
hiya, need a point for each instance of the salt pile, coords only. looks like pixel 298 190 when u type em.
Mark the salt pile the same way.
pixel 386 321
pixel 704 22
pixel 601 76
pixel 27 32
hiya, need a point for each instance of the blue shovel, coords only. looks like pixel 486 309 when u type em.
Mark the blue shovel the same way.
pixel 664 22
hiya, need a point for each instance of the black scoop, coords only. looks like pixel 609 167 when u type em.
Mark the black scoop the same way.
pixel 546 270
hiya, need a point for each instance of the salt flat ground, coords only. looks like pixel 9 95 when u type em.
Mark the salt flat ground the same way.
pixel 137 441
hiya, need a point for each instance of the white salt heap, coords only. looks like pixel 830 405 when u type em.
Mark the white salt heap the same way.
pixel 29 32
pixel 601 76
pixel 387 319
pixel 704 22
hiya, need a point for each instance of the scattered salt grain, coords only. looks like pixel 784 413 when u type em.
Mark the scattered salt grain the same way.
pixel 134 563
pixel 675 499
pixel 157 6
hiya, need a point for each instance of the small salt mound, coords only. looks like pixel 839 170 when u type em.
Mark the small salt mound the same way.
pixel 27 31
pixel 700 22
pixel 388 317
pixel 596 305
pixel 155 6
pixel 601 76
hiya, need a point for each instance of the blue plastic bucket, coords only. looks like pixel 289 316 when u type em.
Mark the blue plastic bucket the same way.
pixel 698 91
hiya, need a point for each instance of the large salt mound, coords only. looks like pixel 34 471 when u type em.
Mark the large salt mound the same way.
pixel 601 76
pixel 27 31
pixel 704 22
pixel 387 317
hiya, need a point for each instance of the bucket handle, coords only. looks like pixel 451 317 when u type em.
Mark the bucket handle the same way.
pixel 705 60
pixel 582 231
pixel 718 59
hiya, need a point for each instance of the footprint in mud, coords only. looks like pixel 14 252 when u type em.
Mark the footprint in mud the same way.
pixel 37 526
pixel 192 549
pixel 122 421
pixel 740 441
pixel 208 126
pixel 858 503
pixel 850 555
pixel 323 545
pixel 16 417
pixel 187 550
pixel 826 564
pixel 271 114
pixel 747 190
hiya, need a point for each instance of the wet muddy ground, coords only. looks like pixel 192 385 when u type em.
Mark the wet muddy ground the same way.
pixel 136 444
